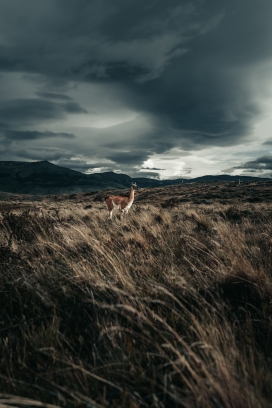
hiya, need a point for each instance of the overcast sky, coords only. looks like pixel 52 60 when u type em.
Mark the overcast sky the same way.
pixel 150 88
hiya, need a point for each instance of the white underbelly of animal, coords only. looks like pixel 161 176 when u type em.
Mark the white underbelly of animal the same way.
pixel 118 206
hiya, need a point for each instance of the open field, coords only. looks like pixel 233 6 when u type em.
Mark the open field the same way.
pixel 170 307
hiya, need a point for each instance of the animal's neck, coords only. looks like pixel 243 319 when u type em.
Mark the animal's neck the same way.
pixel 131 195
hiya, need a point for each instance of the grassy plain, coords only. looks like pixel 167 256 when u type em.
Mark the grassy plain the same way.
pixel 170 307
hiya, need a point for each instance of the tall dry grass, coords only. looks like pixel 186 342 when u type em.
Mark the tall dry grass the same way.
pixel 166 308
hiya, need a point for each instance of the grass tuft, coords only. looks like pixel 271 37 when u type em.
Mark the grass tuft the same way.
pixel 170 307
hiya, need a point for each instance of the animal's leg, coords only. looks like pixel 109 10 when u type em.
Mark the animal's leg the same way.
pixel 110 215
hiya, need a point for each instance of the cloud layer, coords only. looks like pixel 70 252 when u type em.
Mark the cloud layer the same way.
pixel 105 84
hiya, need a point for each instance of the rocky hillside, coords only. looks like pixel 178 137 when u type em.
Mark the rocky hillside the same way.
pixel 44 178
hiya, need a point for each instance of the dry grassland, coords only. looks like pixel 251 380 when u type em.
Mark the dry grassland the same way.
pixel 170 307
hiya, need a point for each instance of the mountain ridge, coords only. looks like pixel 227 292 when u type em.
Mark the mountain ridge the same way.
pixel 44 177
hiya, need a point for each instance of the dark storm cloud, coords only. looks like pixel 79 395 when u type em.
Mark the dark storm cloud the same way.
pixel 27 111
pixel 189 66
pixel 131 158
pixel 186 170
pixel 261 163
pixel 268 142
pixel 73 107
pixel 203 98
pixel 42 153
pixel 151 168
pixel 141 147
pixel 34 134
pixel 149 142
pixel 52 95
pixel 24 112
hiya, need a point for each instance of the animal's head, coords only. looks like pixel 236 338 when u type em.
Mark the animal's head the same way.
pixel 134 186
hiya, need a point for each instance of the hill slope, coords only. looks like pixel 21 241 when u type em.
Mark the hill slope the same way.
pixel 46 178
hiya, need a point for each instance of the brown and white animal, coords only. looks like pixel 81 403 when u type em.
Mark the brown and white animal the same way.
pixel 122 203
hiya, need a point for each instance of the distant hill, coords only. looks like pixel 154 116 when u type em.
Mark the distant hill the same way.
pixel 44 178
pixel 224 177
pixel 40 177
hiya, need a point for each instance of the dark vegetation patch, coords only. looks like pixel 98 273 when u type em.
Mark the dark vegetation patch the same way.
pixel 170 307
